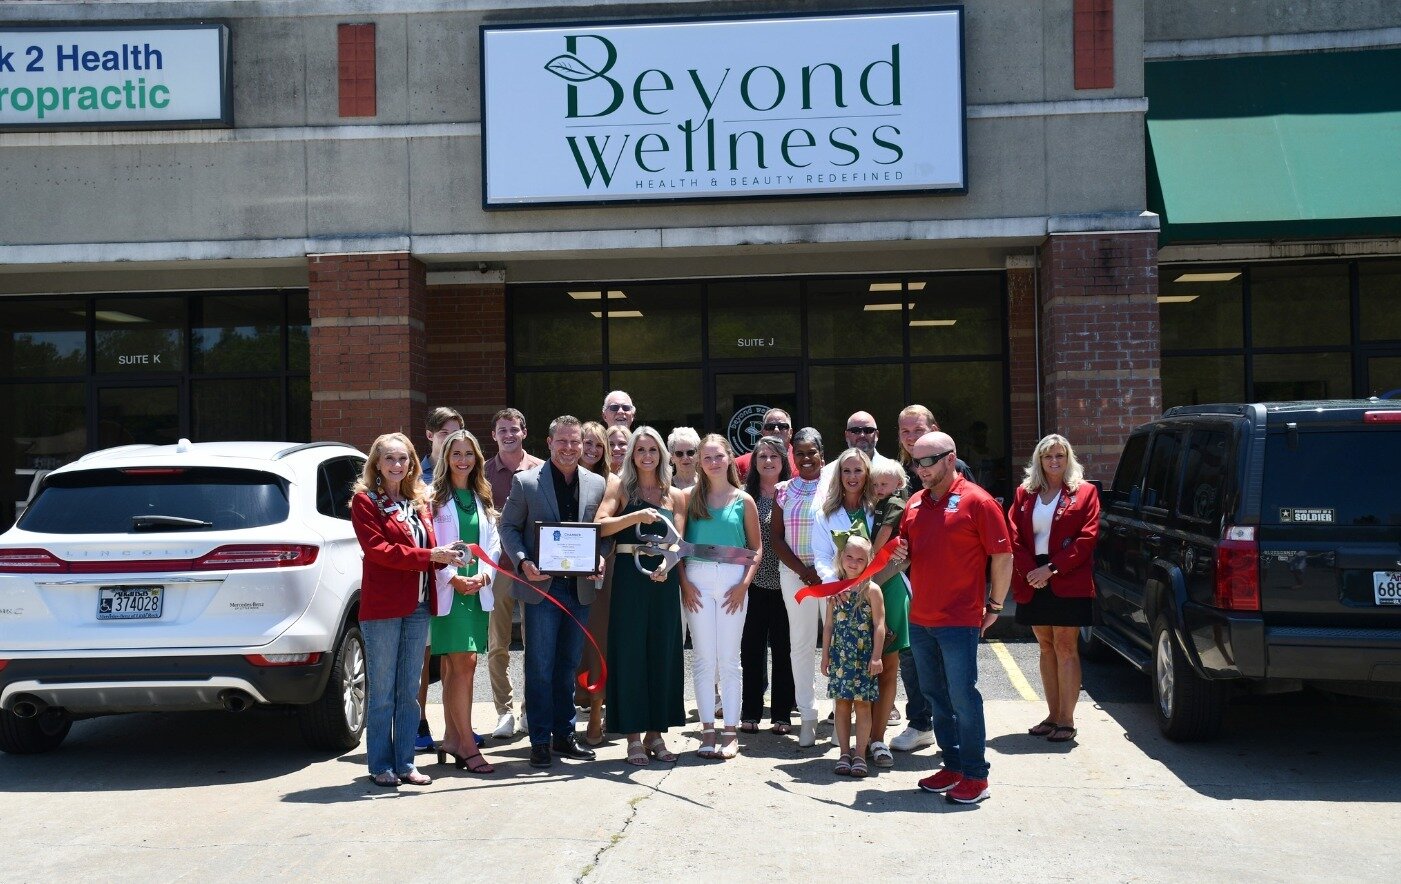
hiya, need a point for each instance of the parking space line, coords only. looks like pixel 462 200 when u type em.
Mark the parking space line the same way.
pixel 1014 672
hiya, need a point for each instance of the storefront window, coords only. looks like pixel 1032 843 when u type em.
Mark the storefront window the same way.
pixel 143 415
pixel 544 396
pixel 969 400
pixel 1283 377
pixel 851 318
pixel 43 338
pixel 1379 290
pixel 1299 305
pixel 665 398
pixel 46 427
pixel 140 336
pixel 654 323
pixel 226 411
pixel 835 392
pixel 1198 380
pixel 1201 308
pixel 298 332
pixel 556 326
pixel 237 333
pixel 755 319
pixel 956 315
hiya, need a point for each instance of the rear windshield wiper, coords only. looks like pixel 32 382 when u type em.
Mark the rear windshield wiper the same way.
pixel 151 523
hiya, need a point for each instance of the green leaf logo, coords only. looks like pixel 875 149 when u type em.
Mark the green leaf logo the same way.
pixel 570 68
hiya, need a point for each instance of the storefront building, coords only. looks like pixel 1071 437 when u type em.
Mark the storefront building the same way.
pixel 1028 217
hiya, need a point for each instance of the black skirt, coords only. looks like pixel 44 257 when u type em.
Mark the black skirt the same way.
pixel 1048 609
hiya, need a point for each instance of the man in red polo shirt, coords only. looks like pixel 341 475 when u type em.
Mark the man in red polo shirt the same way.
pixel 951 529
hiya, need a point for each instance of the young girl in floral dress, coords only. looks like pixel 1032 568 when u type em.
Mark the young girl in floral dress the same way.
pixel 853 639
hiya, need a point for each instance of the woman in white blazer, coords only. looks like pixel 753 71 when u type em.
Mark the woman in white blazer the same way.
pixel 463 513
pixel 848 499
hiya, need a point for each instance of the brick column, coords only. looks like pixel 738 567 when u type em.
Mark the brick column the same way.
pixel 467 352
pixel 1099 341
pixel 369 359
pixel 1024 393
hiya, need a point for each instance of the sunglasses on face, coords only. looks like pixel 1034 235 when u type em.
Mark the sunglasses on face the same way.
pixel 931 459
pixel 777 425
pixel 618 407
pixel 689 452
pixel 861 431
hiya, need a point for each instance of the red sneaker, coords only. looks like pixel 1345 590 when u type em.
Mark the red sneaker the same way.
pixel 968 791
pixel 942 781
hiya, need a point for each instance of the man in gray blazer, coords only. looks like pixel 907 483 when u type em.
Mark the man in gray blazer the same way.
pixel 555 491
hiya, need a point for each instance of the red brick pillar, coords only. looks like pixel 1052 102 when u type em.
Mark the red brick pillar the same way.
pixel 1099 341
pixel 467 350
pixel 369 359
pixel 1025 390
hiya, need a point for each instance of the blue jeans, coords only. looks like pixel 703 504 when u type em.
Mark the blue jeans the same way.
pixel 916 706
pixel 947 660
pixel 553 646
pixel 394 666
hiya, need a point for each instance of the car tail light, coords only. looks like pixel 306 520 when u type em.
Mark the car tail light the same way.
pixel 4 663
pixel 30 561
pixel 261 555
pixel 1238 570
pixel 1381 417
pixel 283 659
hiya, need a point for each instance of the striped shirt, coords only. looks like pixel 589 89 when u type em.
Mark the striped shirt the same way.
pixel 795 497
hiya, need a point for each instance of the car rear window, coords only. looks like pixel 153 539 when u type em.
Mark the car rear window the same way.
pixel 1332 477
pixel 109 501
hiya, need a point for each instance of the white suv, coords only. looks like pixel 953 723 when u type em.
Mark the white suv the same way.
pixel 185 577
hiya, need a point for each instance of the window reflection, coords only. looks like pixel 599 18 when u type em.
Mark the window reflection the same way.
pixel 849 318
pixel 140 335
pixel 1299 305
pixel 44 338
pixel 657 323
pixel 237 333
pixel 1201 307
pixel 956 315
pixel 755 319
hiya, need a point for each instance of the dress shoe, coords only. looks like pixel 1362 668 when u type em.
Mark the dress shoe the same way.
pixel 569 748
pixel 540 756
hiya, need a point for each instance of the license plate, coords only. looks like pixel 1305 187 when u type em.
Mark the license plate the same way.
pixel 1387 585
pixel 129 602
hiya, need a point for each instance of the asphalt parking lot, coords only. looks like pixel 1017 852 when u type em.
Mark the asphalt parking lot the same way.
pixel 1300 787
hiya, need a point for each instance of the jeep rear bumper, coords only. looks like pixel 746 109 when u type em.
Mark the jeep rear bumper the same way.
pixel 1227 644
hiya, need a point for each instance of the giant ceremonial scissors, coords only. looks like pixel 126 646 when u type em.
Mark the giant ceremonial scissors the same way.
pixel 671 549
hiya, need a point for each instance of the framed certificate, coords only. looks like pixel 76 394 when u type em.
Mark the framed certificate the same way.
pixel 566 549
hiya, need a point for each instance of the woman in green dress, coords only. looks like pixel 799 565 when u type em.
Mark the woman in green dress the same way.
pixel 462 511
pixel 645 669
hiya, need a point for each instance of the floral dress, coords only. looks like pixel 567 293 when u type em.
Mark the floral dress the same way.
pixel 849 657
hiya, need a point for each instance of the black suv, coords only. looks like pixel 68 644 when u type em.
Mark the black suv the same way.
pixel 1254 546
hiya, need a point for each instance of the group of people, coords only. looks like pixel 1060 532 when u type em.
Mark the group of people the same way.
pixel 901 565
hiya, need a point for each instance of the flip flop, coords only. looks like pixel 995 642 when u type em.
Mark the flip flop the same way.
pixel 781 728
pixel 1062 733
pixel 1043 729
pixel 749 727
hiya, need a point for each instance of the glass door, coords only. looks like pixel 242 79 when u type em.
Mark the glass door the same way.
pixel 137 414
pixel 742 397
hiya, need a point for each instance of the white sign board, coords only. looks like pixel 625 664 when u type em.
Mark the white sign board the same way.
pixel 723 109
pixel 114 77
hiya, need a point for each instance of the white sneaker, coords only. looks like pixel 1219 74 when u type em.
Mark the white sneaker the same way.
pixel 505 727
pixel 807 734
pixel 912 738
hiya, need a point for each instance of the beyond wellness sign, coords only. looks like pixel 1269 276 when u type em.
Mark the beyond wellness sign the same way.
pixel 114 77
pixel 723 109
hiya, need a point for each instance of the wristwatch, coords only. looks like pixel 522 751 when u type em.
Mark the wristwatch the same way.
pixel 1054 572
pixel 995 607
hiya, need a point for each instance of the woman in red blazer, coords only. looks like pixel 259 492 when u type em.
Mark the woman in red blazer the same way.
pixel 397 599
pixel 1054 521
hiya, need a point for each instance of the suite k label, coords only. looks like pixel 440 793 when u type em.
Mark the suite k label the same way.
pixel 752 106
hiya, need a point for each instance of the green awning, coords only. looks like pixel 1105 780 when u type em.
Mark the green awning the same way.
pixel 1283 146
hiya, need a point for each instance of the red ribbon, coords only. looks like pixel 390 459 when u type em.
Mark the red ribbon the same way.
pixel 824 590
pixel 583 676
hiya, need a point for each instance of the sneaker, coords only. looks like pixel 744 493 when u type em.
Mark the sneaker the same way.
pixel 912 738
pixel 942 781
pixel 968 791
pixel 424 741
pixel 505 727
pixel 522 727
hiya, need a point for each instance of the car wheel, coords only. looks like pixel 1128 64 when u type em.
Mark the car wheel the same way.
pixel 336 721
pixel 1187 706
pixel 29 736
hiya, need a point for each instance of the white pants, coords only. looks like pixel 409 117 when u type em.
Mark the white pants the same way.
pixel 804 626
pixel 715 639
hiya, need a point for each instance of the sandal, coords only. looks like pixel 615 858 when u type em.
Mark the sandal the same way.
pixel 708 750
pixel 387 779
pixel 749 727
pixel 414 778
pixel 636 755
pixel 858 767
pixel 782 728
pixel 881 755
pixel 1062 733
pixel 729 748
pixel 1043 729
pixel 656 747
pixel 475 763
pixel 843 767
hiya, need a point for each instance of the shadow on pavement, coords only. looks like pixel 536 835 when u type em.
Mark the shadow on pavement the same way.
pixel 164 751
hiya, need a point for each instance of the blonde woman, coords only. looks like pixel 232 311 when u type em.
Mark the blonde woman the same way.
pixel 719 512
pixel 849 506
pixel 618 438
pixel 463 511
pixel 595 455
pixel 389 513
pixel 1054 520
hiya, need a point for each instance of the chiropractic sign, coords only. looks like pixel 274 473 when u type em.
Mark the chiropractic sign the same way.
pixel 723 109
pixel 114 77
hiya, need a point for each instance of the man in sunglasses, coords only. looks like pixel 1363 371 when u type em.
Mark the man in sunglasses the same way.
pixel 862 434
pixel 618 409
pixel 952 529
pixel 776 423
